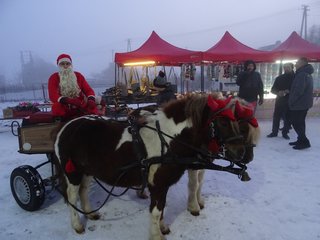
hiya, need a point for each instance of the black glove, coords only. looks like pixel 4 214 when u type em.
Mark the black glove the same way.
pixel 72 101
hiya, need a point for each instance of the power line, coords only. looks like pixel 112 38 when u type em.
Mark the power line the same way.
pixel 233 24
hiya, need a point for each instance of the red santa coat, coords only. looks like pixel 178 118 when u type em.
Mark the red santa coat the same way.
pixel 59 109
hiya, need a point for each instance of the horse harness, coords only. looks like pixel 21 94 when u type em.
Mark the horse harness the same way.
pixel 203 160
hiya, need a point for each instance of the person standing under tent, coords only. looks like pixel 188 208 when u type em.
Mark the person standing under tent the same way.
pixel 300 101
pixel 250 84
pixel 281 88
pixel 69 92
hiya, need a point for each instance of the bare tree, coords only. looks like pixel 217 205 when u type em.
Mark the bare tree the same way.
pixel 36 72
pixel 314 34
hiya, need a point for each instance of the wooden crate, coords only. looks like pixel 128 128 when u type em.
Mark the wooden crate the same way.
pixel 12 113
pixel 38 138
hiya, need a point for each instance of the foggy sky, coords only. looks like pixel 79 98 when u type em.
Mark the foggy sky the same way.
pixel 91 31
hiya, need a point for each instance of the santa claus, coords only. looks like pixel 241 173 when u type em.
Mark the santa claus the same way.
pixel 69 92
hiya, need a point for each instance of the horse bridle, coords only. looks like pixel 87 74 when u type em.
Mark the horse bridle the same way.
pixel 203 160
pixel 215 135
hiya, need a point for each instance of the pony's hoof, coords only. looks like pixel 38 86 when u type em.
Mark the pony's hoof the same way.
pixel 195 210
pixel 80 230
pixel 94 216
pixel 165 230
pixel 157 238
pixel 142 194
pixel 195 213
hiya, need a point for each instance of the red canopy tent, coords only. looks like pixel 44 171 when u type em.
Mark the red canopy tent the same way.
pixel 158 50
pixel 231 50
pixel 295 47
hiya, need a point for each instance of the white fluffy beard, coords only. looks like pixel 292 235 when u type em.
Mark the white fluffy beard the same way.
pixel 68 83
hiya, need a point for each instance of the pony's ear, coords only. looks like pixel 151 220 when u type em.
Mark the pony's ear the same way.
pixel 245 113
pixel 213 105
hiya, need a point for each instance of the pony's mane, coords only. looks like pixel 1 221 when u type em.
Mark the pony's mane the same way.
pixel 254 134
pixel 193 105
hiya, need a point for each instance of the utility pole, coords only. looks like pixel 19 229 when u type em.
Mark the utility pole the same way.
pixel 26 60
pixel 305 9
pixel 128 45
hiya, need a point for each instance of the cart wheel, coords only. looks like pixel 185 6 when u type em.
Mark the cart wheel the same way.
pixel 27 187
pixel 14 128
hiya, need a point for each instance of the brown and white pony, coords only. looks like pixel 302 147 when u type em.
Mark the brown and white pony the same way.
pixel 94 146
pixel 250 131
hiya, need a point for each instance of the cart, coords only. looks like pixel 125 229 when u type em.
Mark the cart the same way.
pixel 27 186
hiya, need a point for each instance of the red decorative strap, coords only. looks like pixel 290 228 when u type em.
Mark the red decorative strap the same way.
pixel 70 167
pixel 228 114
pixel 245 113
pixel 219 106
pixel 213 146
pixel 254 122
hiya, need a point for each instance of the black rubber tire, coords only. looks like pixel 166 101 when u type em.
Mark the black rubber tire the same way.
pixel 27 187
pixel 14 128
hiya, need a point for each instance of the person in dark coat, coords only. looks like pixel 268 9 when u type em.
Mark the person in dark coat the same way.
pixel 166 92
pixel 300 101
pixel 250 84
pixel 281 88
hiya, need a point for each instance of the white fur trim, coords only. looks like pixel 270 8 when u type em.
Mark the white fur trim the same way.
pixel 64 60
pixel 60 98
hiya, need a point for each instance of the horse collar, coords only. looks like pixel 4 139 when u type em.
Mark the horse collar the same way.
pixel 138 145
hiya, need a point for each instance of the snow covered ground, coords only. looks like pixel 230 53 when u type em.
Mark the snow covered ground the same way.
pixel 281 202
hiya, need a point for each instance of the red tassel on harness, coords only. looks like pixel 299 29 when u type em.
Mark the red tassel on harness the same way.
pixel 70 167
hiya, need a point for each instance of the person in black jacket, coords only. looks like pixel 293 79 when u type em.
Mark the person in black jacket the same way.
pixel 281 88
pixel 166 92
pixel 300 101
pixel 250 84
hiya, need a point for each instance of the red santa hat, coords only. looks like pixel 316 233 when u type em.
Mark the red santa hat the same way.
pixel 64 58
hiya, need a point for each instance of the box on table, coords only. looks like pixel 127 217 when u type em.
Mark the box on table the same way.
pixel 7 113
pixel 38 138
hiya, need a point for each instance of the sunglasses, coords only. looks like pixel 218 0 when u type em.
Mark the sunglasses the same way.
pixel 64 64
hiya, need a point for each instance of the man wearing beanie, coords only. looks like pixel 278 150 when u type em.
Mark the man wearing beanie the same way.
pixel 69 92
